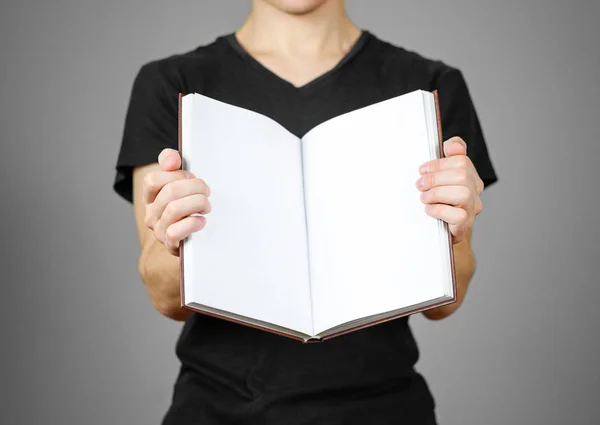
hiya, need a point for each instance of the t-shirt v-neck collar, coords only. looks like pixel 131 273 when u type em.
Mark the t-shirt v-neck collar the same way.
pixel 258 66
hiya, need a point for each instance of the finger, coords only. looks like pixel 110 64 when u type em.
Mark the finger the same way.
pixel 479 184
pixel 180 230
pixel 175 190
pixel 460 196
pixel 156 180
pixel 455 146
pixel 169 159
pixel 454 176
pixel 450 214
pixel 478 206
pixel 457 161
pixel 181 208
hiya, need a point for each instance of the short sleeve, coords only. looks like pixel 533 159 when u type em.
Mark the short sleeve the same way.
pixel 150 125
pixel 459 118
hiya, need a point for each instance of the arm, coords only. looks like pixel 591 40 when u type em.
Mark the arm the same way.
pixel 452 186
pixel 464 265
pixel 164 198
pixel 451 190
pixel 157 267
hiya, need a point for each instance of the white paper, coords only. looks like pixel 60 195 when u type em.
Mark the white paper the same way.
pixel 372 247
pixel 251 257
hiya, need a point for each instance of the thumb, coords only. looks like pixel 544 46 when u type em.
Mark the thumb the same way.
pixel 455 146
pixel 169 160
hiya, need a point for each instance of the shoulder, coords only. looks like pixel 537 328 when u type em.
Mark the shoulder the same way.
pixel 415 69
pixel 186 70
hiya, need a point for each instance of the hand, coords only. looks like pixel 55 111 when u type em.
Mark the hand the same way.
pixel 451 188
pixel 170 196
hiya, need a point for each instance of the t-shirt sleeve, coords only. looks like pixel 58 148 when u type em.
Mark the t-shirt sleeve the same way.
pixel 459 118
pixel 150 125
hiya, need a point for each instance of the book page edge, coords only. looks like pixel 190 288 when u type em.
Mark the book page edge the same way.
pixel 247 321
pixel 324 336
pixel 249 111
pixel 357 110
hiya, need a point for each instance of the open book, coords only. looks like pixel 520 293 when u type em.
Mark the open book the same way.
pixel 315 237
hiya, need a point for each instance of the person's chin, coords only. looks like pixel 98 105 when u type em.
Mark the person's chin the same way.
pixel 297 7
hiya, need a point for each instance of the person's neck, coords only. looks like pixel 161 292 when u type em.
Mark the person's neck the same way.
pixel 325 30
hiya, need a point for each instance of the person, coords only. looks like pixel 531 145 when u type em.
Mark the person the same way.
pixel 299 62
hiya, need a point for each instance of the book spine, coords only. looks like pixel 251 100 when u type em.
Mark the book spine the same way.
pixel 180 149
pixel 438 118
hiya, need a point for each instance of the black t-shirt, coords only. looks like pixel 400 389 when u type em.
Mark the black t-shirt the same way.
pixel 234 374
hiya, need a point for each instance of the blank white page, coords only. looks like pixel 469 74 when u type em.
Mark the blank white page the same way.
pixel 372 248
pixel 251 257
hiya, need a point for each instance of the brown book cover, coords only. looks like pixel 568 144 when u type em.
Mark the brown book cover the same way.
pixel 358 327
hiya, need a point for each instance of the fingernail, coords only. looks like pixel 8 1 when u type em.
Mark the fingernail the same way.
pixel 420 183
pixel 189 175
pixel 424 168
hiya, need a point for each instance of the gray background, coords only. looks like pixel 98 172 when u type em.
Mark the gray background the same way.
pixel 80 341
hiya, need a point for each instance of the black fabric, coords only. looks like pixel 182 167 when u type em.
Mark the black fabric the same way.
pixel 233 374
